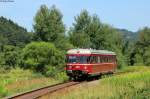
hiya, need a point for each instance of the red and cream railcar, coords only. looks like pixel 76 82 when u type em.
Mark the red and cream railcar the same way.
pixel 88 62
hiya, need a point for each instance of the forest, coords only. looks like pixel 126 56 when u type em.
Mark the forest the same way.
pixel 43 49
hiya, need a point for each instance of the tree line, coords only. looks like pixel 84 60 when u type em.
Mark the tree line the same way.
pixel 43 49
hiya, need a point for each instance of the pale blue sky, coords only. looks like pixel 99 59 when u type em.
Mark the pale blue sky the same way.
pixel 128 14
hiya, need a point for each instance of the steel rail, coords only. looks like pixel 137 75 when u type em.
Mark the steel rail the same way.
pixel 42 91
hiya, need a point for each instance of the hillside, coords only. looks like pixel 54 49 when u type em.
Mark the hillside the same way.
pixel 11 33
pixel 128 35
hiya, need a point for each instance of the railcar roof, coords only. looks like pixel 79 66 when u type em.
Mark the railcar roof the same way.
pixel 89 51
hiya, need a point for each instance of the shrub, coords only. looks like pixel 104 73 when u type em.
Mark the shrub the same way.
pixel 42 57
pixel 62 76
pixel 51 71
pixel 9 56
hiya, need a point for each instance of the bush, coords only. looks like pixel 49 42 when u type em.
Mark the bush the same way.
pixel 42 57
pixel 56 73
pixel 9 56
pixel 62 76
pixel 51 71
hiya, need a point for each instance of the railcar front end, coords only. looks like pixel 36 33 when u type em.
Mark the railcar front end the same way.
pixel 78 66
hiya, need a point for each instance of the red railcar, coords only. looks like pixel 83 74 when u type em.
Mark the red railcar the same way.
pixel 89 62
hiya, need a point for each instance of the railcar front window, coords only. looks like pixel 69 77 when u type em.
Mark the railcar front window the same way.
pixel 80 59
pixel 72 59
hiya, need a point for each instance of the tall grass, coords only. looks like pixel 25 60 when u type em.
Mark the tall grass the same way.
pixel 134 84
pixel 19 80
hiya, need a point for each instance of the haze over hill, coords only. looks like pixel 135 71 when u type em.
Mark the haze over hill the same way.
pixel 128 35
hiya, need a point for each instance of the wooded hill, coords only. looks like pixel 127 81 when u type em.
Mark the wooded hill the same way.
pixel 12 34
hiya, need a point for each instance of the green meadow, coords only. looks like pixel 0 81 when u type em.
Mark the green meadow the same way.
pixel 133 83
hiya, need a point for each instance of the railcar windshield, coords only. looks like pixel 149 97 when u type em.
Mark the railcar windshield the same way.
pixel 72 59
pixel 78 59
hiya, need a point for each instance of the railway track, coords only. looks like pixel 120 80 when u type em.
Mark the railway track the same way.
pixel 48 89
pixel 42 91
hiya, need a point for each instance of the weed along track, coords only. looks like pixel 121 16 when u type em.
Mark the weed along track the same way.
pixel 42 91
pixel 37 93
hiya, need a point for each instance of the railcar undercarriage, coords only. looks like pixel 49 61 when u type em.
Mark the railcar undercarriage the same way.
pixel 77 75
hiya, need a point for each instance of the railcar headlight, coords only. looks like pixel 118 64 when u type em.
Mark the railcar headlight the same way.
pixel 77 66
pixel 85 67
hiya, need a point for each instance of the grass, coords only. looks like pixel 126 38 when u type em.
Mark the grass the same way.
pixel 19 80
pixel 134 83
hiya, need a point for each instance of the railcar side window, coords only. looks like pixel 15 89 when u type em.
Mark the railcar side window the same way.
pixel 83 59
pixel 95 59
pixel 88 59
pixel 105 59
pixel 113 59
pixel 109 59
pixel 91 59
pixel 102 59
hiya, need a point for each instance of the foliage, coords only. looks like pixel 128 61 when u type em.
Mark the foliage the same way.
pixel 141 52
pixel 62 43
pixel 39 55
pixel 12 33
pixel 80 40
pixel 49 27
pixel 62 77
pixel 48 24
pixel 57 74
pixel 10 56
pixel 78 34
pixel 131 69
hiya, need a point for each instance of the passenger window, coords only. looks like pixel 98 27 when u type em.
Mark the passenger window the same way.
pixel 102 59
pixel 99 60
pixel 95 60
pixel 91 59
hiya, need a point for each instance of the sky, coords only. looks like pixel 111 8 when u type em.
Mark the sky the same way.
pixel 124 14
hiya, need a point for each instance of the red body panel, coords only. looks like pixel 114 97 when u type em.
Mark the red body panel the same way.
pixel 103 68
pixel 82 67
pixel 93 68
